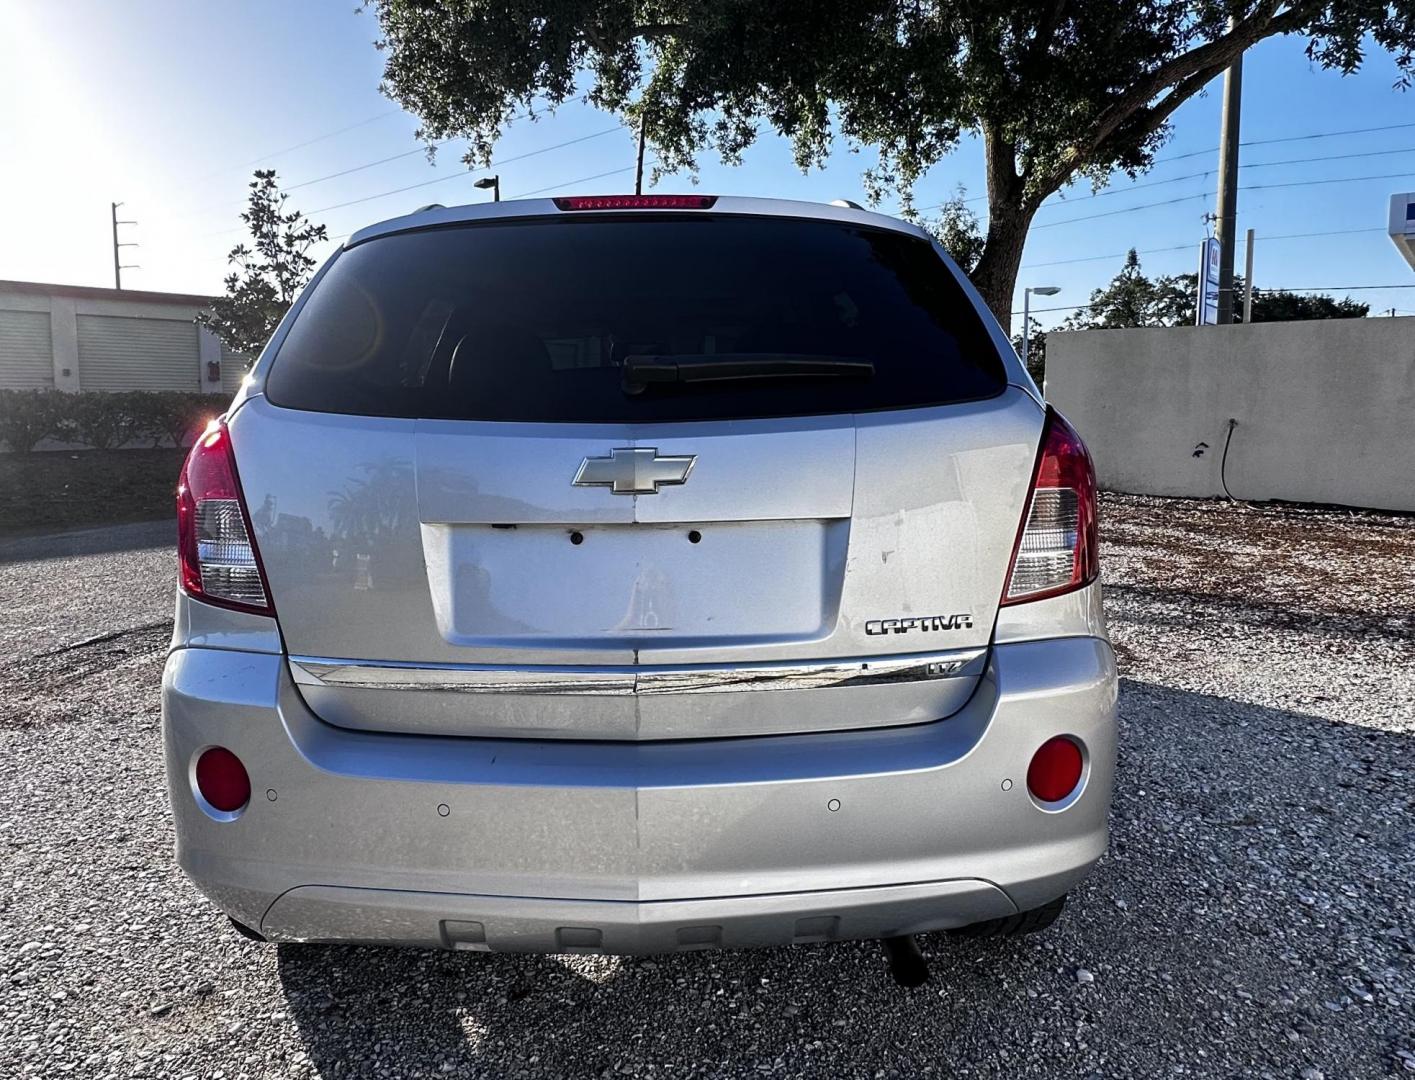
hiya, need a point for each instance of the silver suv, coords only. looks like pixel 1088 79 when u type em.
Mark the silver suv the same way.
pixel 636 574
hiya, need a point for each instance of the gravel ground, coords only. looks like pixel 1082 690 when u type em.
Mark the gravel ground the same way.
pixel 1253 917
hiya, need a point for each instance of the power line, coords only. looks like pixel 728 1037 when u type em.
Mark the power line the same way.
pixel 365 165
pixel 1101 258
pixel 1332 180
pixel 539 191
pixel 1287 139
pixel 302 145
pixel 572 183
pixel 1253 165
pixel 385 160
pixel 1333 288
pixel 1190 246
pixel 1122 210
pixel 1210 172
pixel 1327 157
pixel 342 172
pixel 454 176
pixel 1205 195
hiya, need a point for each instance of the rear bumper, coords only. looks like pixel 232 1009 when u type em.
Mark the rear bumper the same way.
pixel 638 847
pixel 522 924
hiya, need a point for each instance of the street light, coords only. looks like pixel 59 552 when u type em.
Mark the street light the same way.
pixel 493 182
pixel 1040 290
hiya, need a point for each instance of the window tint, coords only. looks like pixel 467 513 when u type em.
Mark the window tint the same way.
pixel 534 321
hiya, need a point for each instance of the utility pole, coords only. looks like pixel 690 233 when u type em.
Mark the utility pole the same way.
pixel 1228 184
pixel 1248 281
pixel 639 165
pixel 118 265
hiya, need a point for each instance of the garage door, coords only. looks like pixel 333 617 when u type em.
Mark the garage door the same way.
pixel 26 359
pixel 117 353
pixel 233 370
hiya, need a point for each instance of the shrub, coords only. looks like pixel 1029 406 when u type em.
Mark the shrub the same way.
pixel 101 420
pixel 27 417
pixel 104 421
pixel 174 417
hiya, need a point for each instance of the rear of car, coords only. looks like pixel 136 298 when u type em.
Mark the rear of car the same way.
pixel 634 575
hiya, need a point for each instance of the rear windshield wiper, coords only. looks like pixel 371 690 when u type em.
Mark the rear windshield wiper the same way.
pixel 641 372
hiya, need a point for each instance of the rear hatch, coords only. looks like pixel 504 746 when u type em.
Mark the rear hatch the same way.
pixel 636 476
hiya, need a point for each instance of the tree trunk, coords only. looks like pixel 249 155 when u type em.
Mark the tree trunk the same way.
pixel 1009 215
pixel 996 273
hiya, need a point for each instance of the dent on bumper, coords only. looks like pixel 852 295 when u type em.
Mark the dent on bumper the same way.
pixel 634 847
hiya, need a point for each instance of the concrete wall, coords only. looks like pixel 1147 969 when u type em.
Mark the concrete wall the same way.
pixel 137 356
pixel 1325 409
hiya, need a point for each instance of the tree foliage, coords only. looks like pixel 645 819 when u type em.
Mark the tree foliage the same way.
pixel 1132 299
pixel 1036 350
pixel 1279 305
pixel 270 270
pixel 1056 89
pixel 956 227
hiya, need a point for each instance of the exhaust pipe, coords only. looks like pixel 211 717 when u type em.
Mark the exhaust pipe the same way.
pixel 906 962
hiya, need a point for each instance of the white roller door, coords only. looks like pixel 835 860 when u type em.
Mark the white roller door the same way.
pixel 26 353
pixel 117 353
pixel 233 369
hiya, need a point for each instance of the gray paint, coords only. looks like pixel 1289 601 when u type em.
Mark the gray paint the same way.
pixel 636 823
pixel 1323 408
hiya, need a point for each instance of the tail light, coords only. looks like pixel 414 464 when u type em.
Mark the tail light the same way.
pixel 215 545
pixel 1058 549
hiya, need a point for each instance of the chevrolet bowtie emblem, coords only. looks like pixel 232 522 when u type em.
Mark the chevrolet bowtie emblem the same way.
pixel 634 470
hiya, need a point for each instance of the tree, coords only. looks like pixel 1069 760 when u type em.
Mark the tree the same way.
pixel 1036 350
pixel 270 271
pixel 1279 305
pixel 1055 89
pixel 956 228
pixel 1274 305
pixel 1132 299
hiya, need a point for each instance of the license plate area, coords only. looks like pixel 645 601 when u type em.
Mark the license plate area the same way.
pixel 682 584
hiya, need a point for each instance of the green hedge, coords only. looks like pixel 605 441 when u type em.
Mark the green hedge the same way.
pixel 103 421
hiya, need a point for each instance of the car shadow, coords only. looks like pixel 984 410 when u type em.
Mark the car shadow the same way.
pixel 1253 898
pixel 103 540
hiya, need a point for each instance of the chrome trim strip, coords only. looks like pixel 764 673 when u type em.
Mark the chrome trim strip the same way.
pixel 628 681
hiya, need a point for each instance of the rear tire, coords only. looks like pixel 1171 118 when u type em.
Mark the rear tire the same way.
pixel 1019 925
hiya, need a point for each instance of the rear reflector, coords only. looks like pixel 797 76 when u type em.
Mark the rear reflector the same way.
pixel 219 562
pixel 1055 770
pixel 222 780
pixel 1058 549
pixel 636 202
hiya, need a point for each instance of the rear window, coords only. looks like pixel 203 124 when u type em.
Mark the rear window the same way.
pixel 537 320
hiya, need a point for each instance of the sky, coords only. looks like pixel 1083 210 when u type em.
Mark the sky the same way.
pixel 168 106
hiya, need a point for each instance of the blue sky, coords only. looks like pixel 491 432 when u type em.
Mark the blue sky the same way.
pixel 168 106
